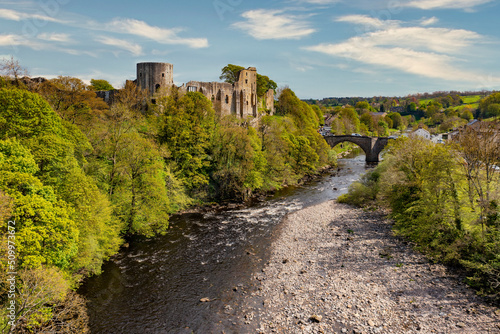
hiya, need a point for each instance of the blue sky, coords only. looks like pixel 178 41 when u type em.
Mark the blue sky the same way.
pixel 319 48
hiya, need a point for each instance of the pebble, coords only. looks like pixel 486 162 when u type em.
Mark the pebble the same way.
pixel 353 288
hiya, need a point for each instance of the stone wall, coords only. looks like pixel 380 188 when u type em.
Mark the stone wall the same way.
pixel 153 76
pixel 239 99
pixel 269 101
pixel 220 93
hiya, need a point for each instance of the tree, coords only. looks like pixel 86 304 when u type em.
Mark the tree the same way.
pixel 100 84
pixel 230 73
pixel 350 119
pixel 12 68
pixel 42 287
pixel 489 106
pixel 367 119
pixel 397 120
pixel 141 198
pixel 21 110
pixel 67 198
pixel 46 234
pixel 239 162
pixel 362 105
pixel 411 108
pixel 133 97
pixel 73 100
pixel 187 130
pixel 480 149
pixel 493 110
pixel 264 84
pixel 467 114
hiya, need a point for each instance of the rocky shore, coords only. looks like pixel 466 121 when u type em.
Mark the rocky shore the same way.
pixel 337 269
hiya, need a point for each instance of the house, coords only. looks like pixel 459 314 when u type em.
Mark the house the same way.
pixel 421 132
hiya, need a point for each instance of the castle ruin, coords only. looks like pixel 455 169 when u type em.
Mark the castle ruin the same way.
pixel 153 76
pixel 239 99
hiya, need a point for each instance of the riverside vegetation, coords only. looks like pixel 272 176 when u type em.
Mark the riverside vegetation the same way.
pixel 444 198
pixel 78 178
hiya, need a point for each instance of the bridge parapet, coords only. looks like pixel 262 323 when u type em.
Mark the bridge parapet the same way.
pixel 372 146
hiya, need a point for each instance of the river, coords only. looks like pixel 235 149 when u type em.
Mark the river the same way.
pixel 155 285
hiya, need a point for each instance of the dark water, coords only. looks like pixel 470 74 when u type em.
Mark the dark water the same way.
pixel 156 285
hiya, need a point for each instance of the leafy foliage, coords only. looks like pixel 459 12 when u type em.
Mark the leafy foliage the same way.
pixel 444 198
pixel 188 129
pixel 100 84
pixel 230 73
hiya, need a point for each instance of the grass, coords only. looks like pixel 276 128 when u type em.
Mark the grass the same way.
pixel 473 99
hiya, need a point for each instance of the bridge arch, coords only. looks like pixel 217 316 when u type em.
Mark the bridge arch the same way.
pixel 372 146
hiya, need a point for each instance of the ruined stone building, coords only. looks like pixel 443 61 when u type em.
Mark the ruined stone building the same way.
pixel 238 99
pixel 152 76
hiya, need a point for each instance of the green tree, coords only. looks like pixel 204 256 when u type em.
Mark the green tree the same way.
pixel 264 84
pixel 367 120
pixel 397 120
pixel 141 198
pixel 188 129
pixel 45 233
pixel 362 105
pixel 230 73
pixel 239 162
pixel 350 120
pixel 100 84
pixel 52 146
pixel 467 114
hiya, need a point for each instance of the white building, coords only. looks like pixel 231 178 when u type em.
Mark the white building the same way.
pixel 421 132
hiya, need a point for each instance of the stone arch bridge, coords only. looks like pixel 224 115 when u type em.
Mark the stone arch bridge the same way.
pixel 372 146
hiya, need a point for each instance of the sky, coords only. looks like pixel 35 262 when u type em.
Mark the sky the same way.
pixel 318 48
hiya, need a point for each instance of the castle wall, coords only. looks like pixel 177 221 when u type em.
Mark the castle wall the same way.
pixel 246 90
pixel 152 76
pixel 269 101
pixel 239 99
pixel 220 93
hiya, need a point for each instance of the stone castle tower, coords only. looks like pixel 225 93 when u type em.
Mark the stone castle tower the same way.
pixel 152 76
pixel 239 99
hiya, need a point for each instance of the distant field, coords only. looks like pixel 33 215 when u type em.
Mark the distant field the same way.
pixel 471 99
pixel 425 101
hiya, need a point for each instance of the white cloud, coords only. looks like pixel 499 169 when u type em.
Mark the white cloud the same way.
pixel 264 24
pixel 446 4
pixel 133 48
pixel 13 15
pixel 367 21
pixel 119 25
pixel 428 52
pixel 54 37
pixel 420 63
pixel 160 35
pixel 429 21
pixel 430 39
pixel 12 40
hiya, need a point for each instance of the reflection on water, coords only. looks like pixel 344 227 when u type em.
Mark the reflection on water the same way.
pixel 156 285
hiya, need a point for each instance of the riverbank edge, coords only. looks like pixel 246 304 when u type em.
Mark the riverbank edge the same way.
pixel 263 195
pixel 257 197
pixel 335 268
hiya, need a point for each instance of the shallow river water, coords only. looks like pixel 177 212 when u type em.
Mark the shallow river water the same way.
pixel 155 285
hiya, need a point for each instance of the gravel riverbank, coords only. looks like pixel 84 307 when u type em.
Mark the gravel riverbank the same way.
pixel 337 269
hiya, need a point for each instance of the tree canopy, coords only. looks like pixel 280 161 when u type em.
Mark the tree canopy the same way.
pixel 230 72
pixel 100 84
